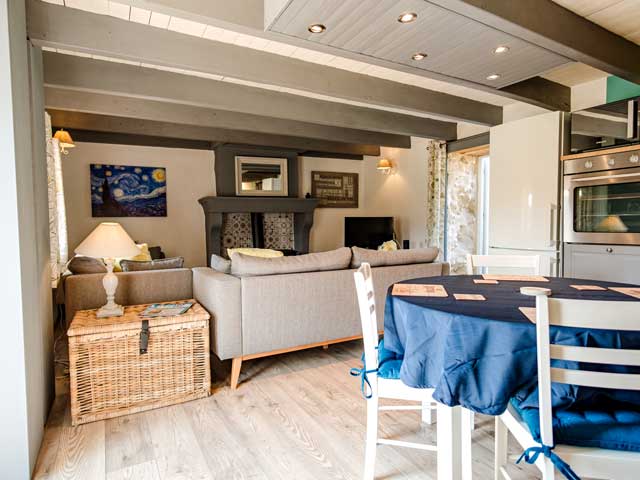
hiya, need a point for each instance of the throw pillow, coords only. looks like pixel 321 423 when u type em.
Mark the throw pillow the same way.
pixel 381 258
pixel 163 264
pixel 247 266
pixel 220 264
pixel 143 256
pixel 79 265
pixel 255 252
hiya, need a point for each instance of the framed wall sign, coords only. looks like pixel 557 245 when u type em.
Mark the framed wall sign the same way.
pixel 335 189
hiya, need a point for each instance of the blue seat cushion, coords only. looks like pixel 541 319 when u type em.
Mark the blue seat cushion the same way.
pixel 614 427
pixel 389 363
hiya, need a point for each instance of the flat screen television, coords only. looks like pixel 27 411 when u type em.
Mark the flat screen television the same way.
pixel 367 232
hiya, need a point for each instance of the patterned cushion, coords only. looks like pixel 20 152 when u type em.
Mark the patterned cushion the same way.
pixel 382 258
pixel 164 264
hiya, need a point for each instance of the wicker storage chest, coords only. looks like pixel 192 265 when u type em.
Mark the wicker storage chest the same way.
pixel 110 374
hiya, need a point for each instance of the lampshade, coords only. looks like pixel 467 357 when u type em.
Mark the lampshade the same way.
pixel 108 240
pixel 64 139
pixel 384 165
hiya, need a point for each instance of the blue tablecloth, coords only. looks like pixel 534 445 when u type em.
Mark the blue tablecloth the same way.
pixel 479 354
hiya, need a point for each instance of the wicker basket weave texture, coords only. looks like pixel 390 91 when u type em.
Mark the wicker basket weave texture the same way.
pixel 109 376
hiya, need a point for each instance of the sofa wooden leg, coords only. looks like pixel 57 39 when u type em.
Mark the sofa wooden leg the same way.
pixel 236 364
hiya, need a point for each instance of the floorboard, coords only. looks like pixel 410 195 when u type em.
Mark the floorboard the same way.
pixel 295 416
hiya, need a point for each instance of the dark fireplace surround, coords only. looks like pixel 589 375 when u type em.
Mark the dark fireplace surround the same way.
pixel 215 208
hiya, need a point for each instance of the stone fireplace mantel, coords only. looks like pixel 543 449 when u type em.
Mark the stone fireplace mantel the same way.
pixel 215 207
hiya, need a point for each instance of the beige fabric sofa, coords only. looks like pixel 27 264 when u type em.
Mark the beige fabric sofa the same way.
pixel 257 316
pixel 83 292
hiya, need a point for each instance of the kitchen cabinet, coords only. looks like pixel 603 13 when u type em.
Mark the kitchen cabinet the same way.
pixel 614 263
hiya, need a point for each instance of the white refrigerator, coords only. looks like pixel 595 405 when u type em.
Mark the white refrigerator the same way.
pixel 524 192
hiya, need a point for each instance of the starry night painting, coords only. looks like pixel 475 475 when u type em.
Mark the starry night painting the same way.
pixel 123 191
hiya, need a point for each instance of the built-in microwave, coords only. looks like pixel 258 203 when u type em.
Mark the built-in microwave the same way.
pixel 606 126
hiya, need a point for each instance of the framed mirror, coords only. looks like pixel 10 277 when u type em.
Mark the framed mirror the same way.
pixel 261 176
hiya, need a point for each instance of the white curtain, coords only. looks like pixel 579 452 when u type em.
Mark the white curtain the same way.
pixel 436 194
pixel 57 214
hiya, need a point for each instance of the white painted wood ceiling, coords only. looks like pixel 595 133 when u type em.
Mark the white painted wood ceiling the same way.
pixel 618 16
pixel 456 45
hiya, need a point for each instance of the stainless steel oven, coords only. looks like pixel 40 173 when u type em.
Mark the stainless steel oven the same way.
pixel 601 199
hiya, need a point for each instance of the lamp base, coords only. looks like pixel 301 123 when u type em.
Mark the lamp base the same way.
pixel 110 311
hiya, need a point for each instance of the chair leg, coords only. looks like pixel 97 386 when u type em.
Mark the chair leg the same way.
pixel 428 412
pixel 236 365
pixel 500 458
pixel 548 470
pixel 372 438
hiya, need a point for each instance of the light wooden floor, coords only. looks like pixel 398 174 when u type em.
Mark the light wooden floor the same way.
pixel 296 416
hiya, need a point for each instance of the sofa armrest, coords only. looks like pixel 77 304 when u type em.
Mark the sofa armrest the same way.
pixel 220 294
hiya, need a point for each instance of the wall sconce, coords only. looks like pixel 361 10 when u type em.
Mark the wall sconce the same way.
pixel 65 141
pixel 384 166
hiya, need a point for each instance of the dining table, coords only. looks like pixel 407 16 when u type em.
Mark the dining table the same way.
pixel 474 343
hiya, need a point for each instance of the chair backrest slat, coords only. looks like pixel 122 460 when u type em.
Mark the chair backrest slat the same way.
pixel 607 356
pixel 529 262
pixel 367 304
pixel 623 381
pixel 585 314
pixel 580 313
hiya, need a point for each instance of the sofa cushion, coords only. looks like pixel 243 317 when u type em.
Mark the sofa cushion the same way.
pixel 380 258
pixel 255 252
pixel 163 264
pixel 247 266
pixel 220 264
pixel 80 265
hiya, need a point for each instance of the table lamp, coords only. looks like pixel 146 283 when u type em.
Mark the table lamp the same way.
pixel 109 241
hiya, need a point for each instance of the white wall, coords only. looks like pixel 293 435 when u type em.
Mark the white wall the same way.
pixel 25 294
pixel 190 176
pixel 589 94
pixel 402 194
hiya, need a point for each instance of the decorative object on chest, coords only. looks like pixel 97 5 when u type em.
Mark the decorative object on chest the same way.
pixel 108 241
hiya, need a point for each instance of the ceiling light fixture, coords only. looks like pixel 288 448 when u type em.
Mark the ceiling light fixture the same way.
pixel 501 49
pixel 493 76
pixel 419 56
pixel 316 28
pixel 407 17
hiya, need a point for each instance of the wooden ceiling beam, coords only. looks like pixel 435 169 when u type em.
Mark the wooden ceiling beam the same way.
pixel 79 73
pixel 135 131
pixel 71 29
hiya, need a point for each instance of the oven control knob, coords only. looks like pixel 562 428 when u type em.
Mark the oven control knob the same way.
pixel 634 159
pixel 588 164
pixel 609 250
pixel 611 162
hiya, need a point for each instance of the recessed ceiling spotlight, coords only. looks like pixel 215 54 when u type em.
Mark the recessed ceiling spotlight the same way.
pixel 407 17
pixel 317 28
pixel 419 56
pixel 493 76
pixel 501 49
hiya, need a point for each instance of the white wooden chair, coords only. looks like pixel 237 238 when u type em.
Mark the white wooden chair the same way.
pixel 530 262
pixel 378 387
pixel 587 462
